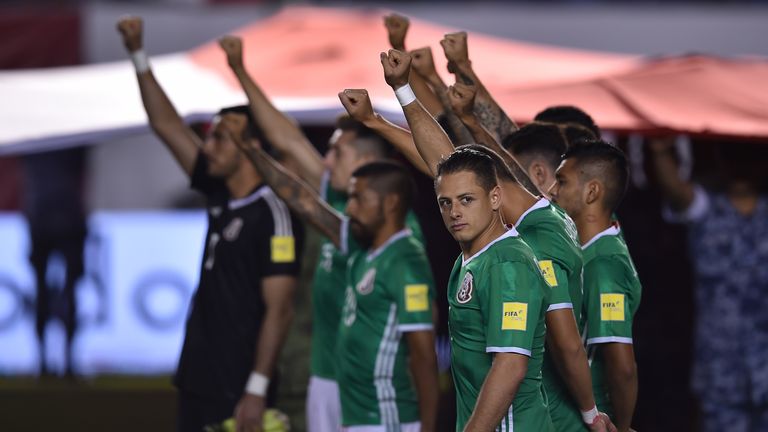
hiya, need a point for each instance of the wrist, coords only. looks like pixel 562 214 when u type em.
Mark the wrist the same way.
pixel 405 94
pixel 372 122
pixel 140 61
pixel 590 416
pixel 257 384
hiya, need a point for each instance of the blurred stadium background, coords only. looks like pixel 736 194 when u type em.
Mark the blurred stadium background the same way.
pixel 146 228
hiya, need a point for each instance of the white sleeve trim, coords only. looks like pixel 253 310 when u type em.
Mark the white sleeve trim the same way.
pixel 609 339
pixel 344 235
pixel 325 179
pixel 515 350
pixel 558 306
pixel 405 328
pixel 695 211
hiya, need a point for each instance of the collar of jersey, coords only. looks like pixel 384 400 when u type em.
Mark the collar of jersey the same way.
pixel 242 202
pixel 405 232
pixel 541 203
pixel 511 232
pixel 612 230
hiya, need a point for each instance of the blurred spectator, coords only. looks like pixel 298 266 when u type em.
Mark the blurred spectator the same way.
pixel 728 240
pixel 54 206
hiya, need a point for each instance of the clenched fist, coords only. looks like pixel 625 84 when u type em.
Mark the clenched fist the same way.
pixel 397 65
pixel 423 63
pixel 462 98
pixel 358 104
pixel 233 48
pixel 131 28
pixel 397 27
pixel 455 47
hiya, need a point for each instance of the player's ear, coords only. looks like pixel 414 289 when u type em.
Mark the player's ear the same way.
pixel 391 203
pixel 593 191
pixel 495 196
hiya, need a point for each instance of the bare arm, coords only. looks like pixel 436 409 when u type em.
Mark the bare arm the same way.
pixel 621 381
pixel 431 141
pixel 423 365
pixel 163 118
pixel 678 192
pixel 358 105
pixel 463 98
pixel 564 343
pixel 281 131
pixel 423 64
pixel 487 110
pixel 498 391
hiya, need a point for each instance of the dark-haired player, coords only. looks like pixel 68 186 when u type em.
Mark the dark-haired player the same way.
pixel 591 183
pixel 244 302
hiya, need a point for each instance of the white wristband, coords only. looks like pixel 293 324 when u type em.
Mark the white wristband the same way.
pixel 405 95
pixel 590 416
pixel 257 384
pixel 140 61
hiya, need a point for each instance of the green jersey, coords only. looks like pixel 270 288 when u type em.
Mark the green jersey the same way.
pixel 328 286
pixel 611 298
pixel 553 237
pixel 390 292
pixel 496 305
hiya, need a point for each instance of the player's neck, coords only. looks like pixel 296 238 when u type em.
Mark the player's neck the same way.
pixel 591 224
pixel 241 183
pixel 494 230
pixel 516 201
pixel 385 233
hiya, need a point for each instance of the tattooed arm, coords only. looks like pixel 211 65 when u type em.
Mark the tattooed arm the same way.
pixel 486 109
pixel 462 98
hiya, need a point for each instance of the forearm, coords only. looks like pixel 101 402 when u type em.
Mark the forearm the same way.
pixel 425 95
pixel 487 110
pixel 424 371
pixel 621 382
pixel 498 392
pixel 463 136
pixel 400 139
pixel 679 193
pixel 483 137
pixel 274 328
pixel 166 122
pixel 431 140
pixel 281 131
pixel 298 195
pixel 572 364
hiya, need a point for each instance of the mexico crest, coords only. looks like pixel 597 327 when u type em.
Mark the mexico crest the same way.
pixel 365 286
pixel 465 293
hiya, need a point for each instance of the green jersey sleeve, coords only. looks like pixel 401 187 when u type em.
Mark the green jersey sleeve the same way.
pixel 413 289
pixel 557 292
pixel 512 307
pixel 608 301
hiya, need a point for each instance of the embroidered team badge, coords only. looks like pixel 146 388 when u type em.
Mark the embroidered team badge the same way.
pixel 233 229
pixel 365 286
pixel 465 293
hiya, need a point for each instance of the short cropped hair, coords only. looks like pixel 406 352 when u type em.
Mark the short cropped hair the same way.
pixel 537 140
pixel 567 114
pixel 502 169
pixel 468 159
pixel 597 159
pixel 367 141
pixel 388 177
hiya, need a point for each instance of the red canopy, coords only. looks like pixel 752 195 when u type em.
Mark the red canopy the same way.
pixel 315 53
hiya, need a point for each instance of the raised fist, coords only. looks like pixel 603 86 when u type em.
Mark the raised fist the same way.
pixel 397 65
pixel 397 27
pixel 233 48
pixel 358 104
pixel 455 47
pixel 423 63
pixel 462 98
pixel 131 28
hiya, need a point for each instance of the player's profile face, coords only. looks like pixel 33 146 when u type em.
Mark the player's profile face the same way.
pixel 567 189
pixel 342 158
pixel 219 149
pixel 364 209
pixel 467 209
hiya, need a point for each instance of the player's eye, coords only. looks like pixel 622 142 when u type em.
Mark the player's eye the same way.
pixel 466 200
pixel 444 203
